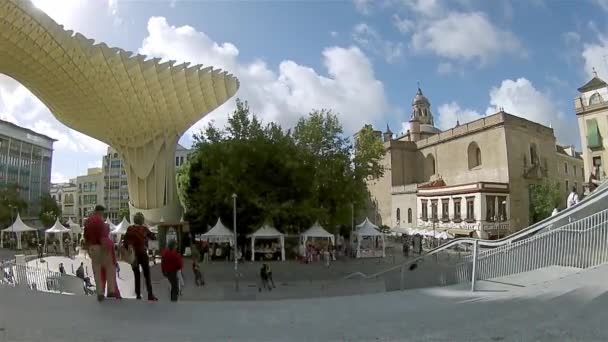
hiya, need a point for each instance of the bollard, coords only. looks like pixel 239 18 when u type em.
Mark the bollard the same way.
pixel 402 282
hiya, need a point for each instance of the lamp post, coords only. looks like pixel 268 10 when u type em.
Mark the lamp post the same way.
pixel 11 208
pixel 434 214
pixel 236 254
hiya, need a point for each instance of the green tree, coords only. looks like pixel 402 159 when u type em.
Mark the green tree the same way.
pixel 123 212
pixel 49 210
pixel 10 204
pixel 544 197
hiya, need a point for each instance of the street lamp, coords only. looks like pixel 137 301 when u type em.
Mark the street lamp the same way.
pixel 236 254
pixel 433 218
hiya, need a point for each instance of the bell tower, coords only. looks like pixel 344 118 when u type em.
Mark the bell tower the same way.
pixel 421 109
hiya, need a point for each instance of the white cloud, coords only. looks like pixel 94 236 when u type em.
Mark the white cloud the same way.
pixel 465 36
pixel 451 113
pixel 58 177
pixel 428 8
pixel 595 55
pixel 445 68
pixel 602 3
pixel 370 39
pixel 403 25
pixel 518 97
pixel 334 34
pixel 350 87
pixel 363 6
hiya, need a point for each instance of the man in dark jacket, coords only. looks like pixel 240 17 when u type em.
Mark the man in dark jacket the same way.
pixel 135 238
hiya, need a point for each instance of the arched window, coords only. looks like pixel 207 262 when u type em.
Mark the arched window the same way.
pixel 474 155
pixel 409 215
pixel 533 154
pixel 595 99
pixel 398 214
pixel 429 167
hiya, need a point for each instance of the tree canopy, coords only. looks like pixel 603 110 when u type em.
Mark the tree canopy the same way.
pixel 10 204
pixel 49 210
pixel 290 178
pixel 544 197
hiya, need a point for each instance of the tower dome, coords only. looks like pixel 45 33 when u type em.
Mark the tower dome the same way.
pixel 421 109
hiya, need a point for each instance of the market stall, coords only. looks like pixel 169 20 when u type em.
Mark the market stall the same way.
pixel 268 250
pixel 370 241
pixel 120 229
pixel 219 239
pixel 316 231
pixel 15 231
pixel 75 229
pixel 57 231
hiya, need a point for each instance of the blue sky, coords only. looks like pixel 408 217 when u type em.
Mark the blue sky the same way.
pixel 361 58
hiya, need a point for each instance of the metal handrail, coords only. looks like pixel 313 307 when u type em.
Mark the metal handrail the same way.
pixel 513 238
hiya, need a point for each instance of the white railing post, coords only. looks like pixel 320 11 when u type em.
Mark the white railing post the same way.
pixel 474 271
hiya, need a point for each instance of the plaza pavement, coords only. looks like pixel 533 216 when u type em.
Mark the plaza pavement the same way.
pixel 556 304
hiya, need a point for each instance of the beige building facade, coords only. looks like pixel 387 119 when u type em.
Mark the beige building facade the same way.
pixel 472 179
pixel 66 197
pixel 90 192
pixel 591 107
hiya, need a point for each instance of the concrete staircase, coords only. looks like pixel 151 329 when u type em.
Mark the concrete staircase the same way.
pixel 550 305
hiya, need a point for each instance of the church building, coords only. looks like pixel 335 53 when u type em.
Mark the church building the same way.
pixel 472 179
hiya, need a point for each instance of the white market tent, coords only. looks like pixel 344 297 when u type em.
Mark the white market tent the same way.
pixel 121 228
pixel 219 233
pixel 16 228
pixel 110 224
pixel 317 231
pixel 267 232
pixel 74 227
pixel 56 229
pixel 366 229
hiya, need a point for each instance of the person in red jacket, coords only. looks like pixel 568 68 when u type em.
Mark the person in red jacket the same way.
pixel 171 263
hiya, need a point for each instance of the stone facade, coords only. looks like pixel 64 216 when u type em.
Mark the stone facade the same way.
pixel 472 179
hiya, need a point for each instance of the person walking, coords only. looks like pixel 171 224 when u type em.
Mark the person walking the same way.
pixel 94 231
pixel 198 275
pixel 135 238
pixel 171 263
pixel 572 198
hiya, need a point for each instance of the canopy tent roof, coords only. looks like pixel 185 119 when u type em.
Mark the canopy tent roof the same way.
pixel 74 227
pixel 366 228
pixel 57 228
pixel 110 224
pixel 121 228
pixel 18 226
pixel 316 230
pixel 219 232
pixel 266 231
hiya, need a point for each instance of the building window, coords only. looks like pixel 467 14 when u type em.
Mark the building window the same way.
pixel 457 209
pixel 566 168
pixel 502 208
pixel 474 155
pixel 398 214
pixel 425 210
pixel 470 209
pixel 534 160
pixel 409 215
pixel 445 210
pixel 574 169
pixel 594 138
pixel 490 208
pixel 567 186
pixel 597 165
pixel 434 210
pixel 576 187
pixel 176 161
pixel 595 99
